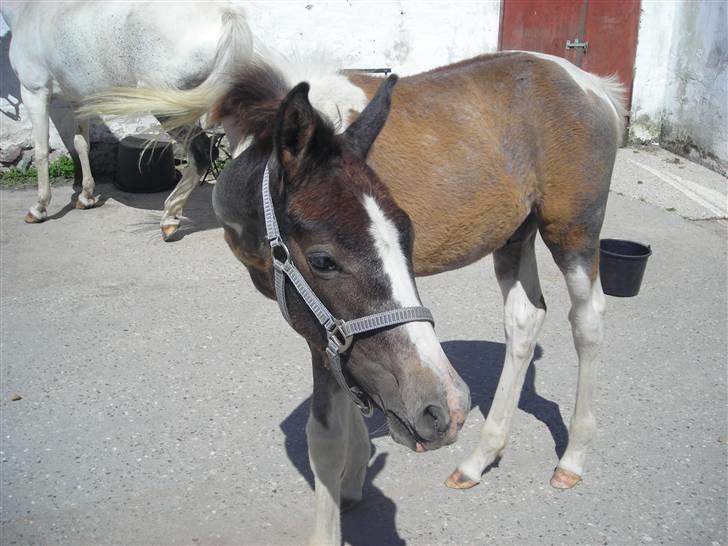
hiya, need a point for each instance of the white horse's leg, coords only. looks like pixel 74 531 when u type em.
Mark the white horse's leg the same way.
pixel 37 103
pixel 338 450
pixel 198 160
pixel 587 311
pixel 81 142
pixel 524 313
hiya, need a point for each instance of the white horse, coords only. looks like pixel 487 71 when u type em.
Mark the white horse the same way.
pixel 73 49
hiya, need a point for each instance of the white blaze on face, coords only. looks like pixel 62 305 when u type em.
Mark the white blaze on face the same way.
pixel 387 243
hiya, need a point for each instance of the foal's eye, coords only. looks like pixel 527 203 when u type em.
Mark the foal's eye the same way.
pixel 323 263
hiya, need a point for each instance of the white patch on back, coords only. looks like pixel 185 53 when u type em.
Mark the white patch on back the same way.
pixel 386 241
pixel 335 97
pixel 585 80
pixel 331 93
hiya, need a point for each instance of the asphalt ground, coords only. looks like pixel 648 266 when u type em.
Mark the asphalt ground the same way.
pixel 149 394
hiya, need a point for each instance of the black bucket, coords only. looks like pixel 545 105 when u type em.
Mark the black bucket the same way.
pixel 144 166
pixel 621 266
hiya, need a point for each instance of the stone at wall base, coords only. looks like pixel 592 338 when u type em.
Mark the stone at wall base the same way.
pixel 10 155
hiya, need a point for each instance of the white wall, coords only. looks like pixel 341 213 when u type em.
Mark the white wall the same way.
pixel 407 35
pixel 680 96
pixel 650 80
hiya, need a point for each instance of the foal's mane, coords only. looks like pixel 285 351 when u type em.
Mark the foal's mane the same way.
pixel 252 101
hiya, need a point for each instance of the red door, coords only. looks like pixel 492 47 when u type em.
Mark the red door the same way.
pixel 601 34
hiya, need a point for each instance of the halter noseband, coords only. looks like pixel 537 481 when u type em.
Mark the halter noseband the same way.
pixel 339 333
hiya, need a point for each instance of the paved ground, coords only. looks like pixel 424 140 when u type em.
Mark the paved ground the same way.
pixel 163 399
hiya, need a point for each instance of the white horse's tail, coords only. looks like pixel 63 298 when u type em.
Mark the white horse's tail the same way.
pixel 181 107
pixel 616 92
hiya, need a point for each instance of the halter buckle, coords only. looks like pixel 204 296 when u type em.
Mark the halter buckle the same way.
pixel 337 337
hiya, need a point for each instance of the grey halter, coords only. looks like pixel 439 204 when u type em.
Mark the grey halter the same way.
pixel 339 333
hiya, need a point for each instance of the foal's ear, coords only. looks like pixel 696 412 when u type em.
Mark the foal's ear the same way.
pixel 300 134
pixel 366 127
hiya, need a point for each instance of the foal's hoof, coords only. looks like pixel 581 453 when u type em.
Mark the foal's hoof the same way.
pixel 458 481
pixel 563 479
pixel 31 218
pixel 169 231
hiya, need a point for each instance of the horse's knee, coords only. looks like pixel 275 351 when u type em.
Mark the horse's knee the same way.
pixel 493 438
pixel 586 325
pixel 523 321
pixel 81 146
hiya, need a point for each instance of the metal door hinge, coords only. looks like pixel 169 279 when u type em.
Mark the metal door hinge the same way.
pixel 576 44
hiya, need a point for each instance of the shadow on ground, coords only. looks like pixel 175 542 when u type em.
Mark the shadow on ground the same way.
pixel 198 213
pixel 479 363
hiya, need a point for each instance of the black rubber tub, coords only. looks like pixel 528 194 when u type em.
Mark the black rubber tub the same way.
pixel 144 166
pixel 621 266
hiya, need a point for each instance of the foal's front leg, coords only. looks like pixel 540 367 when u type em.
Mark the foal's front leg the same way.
pixel 338 450
pixel 524 313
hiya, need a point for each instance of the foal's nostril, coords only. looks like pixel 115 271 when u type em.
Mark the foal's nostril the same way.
pixel 433 423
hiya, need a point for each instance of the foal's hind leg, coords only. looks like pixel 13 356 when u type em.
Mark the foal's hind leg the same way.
pixel 81 142
pixel 587 310
pixel 37 104
pixel 198 160
pixel 524 313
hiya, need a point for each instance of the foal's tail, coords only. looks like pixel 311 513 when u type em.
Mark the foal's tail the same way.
pixel 181 107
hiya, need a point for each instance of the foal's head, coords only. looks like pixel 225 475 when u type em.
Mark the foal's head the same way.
pixel 353 245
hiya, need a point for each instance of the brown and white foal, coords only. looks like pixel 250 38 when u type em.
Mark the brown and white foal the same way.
pixel 481 155
pixel 352 244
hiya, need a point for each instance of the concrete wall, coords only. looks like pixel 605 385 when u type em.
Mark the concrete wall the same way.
pixel 681 80
pixel 407 35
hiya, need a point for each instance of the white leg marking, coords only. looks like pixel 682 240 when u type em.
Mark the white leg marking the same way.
pixel 37 104
pixel 339 455
pixel 587 310
pixel 522 323
pixel 81 143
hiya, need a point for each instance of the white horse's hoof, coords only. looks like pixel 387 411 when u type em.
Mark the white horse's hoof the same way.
pixel 563 479
pixel 84 203
pixel 458 480
pixel 169 231
pixel 31 218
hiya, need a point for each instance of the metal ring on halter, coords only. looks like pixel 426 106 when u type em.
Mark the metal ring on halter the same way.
pixel 338 336
pixel 276 247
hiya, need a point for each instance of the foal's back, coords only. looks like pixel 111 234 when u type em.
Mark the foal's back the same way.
pixel 470 150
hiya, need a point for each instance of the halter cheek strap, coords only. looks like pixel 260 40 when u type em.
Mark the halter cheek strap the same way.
pixel 339 333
